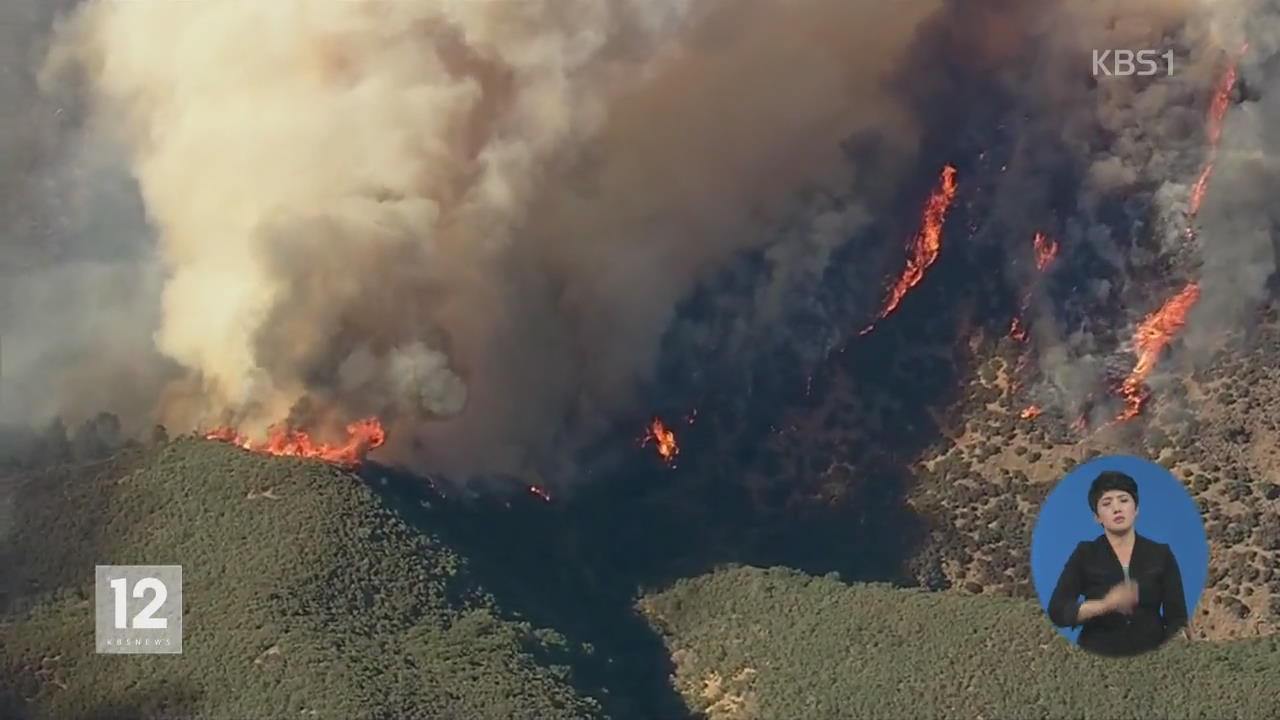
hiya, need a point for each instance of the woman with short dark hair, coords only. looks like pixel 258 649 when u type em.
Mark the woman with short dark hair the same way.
pixel 1131 585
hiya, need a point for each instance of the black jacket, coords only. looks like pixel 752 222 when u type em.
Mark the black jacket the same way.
pixel 1094 569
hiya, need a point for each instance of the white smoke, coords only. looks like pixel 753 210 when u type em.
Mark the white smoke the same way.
pixel 474 218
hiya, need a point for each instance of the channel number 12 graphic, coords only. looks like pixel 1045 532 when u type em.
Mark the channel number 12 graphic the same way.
pixel 138 608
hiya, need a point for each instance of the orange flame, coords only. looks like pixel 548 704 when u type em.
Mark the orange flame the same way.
pixel 1030 412
pixel 1213 131
pixel 1221 102
pixel 1046 250
pixel 1198 190
pixel 362 436
pixel 664 439
pixel 926 244
pixel 1149 340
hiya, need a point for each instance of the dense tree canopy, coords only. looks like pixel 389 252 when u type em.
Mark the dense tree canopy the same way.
pixel 751 643
pixel 301 591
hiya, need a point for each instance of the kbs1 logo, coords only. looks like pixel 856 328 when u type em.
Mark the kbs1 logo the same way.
pixel 138 609
pixel 1126 63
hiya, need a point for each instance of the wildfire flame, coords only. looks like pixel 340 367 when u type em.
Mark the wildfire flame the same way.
pixel 1046 250
pixel 1198 191
pixel 1213 130
pixel 1030 412
pixel 540 492
pixel 1149 340
pixel 664 440
pixel 1222 99
pixel 926 244
pixel 362 436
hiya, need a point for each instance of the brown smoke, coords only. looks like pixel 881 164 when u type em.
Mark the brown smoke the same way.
pixel 1138 144
pixel 474 217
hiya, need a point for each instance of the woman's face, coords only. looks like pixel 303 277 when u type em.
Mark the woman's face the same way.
pixel 1116 511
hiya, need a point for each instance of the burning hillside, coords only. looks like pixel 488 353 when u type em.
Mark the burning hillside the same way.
pixel 925 246
pixel 1045 250
pixel 449 215
pixel 362 436
pixel 1150 339
pixel 610 293
pixel 464 221
pixel 1213 132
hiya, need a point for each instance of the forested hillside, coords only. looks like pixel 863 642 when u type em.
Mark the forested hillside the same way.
pixel 304 596
pixel 751 643
pixel 311 592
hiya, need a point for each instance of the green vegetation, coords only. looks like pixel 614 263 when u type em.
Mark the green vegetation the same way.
pixel 309 593
pixel 304 596
pixel 752 643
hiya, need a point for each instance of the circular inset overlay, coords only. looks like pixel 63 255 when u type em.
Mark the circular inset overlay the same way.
pixel 1166 514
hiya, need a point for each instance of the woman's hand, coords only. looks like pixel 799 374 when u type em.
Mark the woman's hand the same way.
pixel 1121 598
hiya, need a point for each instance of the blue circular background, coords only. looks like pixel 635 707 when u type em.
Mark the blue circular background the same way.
pixel 1166 514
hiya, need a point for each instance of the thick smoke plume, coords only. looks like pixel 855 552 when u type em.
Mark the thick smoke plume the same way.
pixel 1108 166
pixel 473 218
pixel 77 289
pixel 477 219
